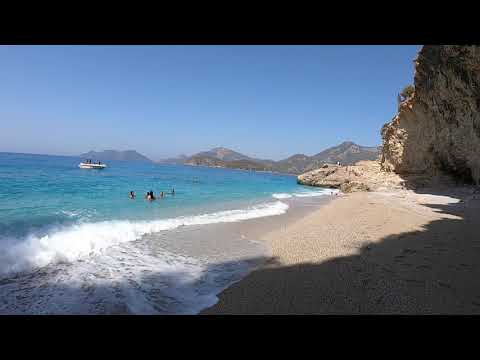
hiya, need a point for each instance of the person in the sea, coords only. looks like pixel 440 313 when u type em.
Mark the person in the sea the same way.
pixel 150 196
pixel 173 191
pixel 132 194
pixel 162 194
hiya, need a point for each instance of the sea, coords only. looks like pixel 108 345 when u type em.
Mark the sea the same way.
pixel 73 242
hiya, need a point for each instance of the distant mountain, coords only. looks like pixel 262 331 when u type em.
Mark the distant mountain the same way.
pixel 295 164
pixel 246 164
pixel 224 154
pixel 346 153
pixel 223 157
pixel 176 160
pixel 128 155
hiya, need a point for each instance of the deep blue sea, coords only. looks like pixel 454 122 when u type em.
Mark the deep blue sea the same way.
pixel 71 238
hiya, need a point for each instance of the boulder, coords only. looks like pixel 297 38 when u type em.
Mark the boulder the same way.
pixel 363 176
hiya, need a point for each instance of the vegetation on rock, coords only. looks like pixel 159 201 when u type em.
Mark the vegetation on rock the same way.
pixel 408 91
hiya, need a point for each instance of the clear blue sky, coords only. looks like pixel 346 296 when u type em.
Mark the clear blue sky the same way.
pixel 264 101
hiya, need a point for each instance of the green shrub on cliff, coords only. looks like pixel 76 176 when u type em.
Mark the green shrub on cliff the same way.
pixel 408 91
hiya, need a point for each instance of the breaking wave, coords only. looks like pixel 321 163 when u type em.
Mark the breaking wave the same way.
pixel 67 244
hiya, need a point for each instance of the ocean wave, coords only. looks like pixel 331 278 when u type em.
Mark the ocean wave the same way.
pixel 67 244
pixel 127 279
pixel 306 193
pixel 80 214
pixel 321 192
pixel 282 196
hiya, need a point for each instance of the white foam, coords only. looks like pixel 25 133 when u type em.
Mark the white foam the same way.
pixel 282 196
pixel 306 193
pixel 69 213
pixel 124 278
pixel 322 192
pixel 77 213
pixel 84 239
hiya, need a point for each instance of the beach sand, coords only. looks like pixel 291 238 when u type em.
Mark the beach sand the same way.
pixel 369 253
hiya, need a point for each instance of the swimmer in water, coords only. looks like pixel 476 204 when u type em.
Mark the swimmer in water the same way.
pixel 150 196
pixel 132 195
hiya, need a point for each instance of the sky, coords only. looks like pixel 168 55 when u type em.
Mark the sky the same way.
pixel 263 101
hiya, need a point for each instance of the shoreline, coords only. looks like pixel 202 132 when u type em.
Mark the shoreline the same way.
pixel 369 253
pixel 232 168
pixel 178 271
pixel 237 246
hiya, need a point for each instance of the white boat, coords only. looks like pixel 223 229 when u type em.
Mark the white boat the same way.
pixel 91 166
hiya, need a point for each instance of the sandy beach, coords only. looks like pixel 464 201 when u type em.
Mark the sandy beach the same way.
pixel 369 253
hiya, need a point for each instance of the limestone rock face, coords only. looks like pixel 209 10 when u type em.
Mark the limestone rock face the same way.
pixel 437 130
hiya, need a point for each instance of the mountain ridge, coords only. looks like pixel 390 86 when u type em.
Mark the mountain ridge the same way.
pixel 346 153
pixel 106 155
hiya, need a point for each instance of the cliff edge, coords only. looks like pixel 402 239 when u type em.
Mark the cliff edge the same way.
pixel 437 130
pixel 435 137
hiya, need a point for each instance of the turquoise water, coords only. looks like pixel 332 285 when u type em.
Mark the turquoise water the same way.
pixel 55 215
pixel 38 191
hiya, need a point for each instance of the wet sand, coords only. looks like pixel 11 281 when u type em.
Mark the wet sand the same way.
pixel 369 253
pixel 223 242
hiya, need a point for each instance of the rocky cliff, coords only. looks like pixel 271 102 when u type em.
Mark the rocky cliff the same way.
pixel 437 130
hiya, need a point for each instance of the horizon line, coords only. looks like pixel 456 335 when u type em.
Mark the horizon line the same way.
pixel 183 154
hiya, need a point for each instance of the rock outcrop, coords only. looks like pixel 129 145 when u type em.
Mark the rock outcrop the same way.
pixel 363 176
pixel 437 130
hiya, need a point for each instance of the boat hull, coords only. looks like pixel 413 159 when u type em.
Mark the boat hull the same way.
pixel 92 166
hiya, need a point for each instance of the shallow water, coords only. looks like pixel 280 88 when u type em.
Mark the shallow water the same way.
pixel 71 241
